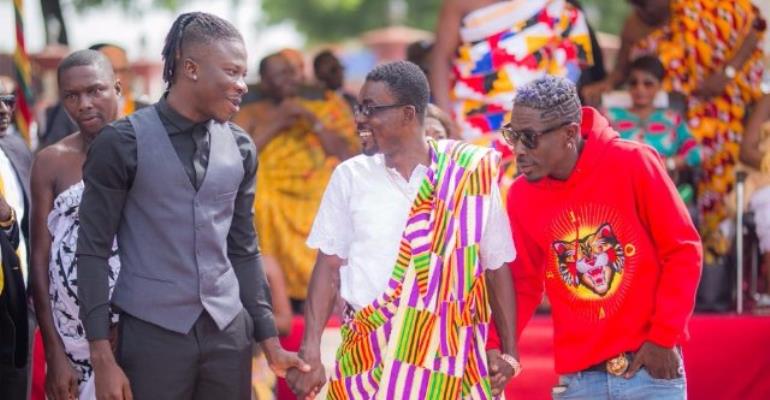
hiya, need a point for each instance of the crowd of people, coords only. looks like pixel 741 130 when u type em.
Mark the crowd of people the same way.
pixel 159 242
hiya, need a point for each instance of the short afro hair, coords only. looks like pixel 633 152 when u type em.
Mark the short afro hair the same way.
pixel 553 94
pixel 649 64
pixel 103 45
pixel 265 61
pixel 82 58
pixel 322 57
pixel 406 82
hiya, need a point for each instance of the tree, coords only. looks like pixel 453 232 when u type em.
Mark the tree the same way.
pixel 606 15
pixel 56 29
pixel 331 20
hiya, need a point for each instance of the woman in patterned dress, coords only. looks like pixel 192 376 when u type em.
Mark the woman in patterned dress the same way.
pixel 712 55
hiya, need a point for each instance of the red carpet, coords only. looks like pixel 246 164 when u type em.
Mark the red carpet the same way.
pixel 727 357
pixel 38 368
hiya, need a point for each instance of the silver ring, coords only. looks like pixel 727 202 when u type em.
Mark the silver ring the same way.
pixel 681 371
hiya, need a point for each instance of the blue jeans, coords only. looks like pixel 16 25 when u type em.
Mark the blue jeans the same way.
pixel 601 385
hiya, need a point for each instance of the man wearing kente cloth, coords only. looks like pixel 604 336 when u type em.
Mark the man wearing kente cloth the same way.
pixel 413 235
pixel 300 136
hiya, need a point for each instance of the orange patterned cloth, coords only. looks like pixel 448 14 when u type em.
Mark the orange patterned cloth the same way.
pixel 699 39
pixel 291 178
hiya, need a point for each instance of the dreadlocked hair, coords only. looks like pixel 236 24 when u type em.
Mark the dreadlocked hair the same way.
pixel 193 27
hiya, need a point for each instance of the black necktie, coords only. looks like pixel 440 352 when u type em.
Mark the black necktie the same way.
pixel 201 155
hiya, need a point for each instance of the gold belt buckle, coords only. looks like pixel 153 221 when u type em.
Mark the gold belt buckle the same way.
pixel 618 365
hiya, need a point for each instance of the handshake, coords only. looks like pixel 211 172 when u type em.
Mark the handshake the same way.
pixel 306 383
pixel 304 372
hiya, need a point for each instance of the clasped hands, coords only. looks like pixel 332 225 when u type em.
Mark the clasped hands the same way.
pixel 307 384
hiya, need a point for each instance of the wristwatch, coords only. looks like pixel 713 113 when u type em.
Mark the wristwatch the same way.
pixel 11 220
pixel 513 362
pixel 730 72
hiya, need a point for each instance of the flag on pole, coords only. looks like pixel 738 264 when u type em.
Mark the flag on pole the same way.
pixel 23 75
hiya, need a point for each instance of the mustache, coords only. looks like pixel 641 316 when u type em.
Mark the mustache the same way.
pixel 364 132
pixel 523 160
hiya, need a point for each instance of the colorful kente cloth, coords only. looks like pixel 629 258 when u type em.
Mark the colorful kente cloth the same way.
pixel 506 45
pixel 664 130
pixel 424 337
pixel 293 172
pixel 699 39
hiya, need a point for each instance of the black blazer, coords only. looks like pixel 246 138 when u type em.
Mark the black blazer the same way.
pixel 14 326
pixel 20 156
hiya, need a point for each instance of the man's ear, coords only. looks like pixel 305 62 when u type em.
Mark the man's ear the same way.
pixel 573 131
pixel 118 87
pixel 410 114
pixel 190 69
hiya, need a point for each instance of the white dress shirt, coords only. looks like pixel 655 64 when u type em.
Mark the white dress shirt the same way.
pixel 362 217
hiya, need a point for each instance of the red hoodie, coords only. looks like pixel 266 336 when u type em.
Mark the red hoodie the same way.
pixel 614 247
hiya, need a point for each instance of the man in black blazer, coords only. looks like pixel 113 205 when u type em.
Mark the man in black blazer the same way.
pixel 16 321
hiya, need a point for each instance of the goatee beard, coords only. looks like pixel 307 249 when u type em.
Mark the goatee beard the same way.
pixel 370 151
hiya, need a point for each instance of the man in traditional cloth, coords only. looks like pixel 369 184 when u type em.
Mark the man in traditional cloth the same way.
pixel 414 237
pixel 89 92
pixel 300 139
pixel 599 223
pixel 330 74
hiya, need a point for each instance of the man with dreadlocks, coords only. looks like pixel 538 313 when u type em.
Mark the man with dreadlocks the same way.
pixel 175 182
pixel 597 220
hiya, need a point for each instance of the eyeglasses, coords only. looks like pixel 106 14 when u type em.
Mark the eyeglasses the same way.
pixel 367 111
pixel 9 100
pixel 528 138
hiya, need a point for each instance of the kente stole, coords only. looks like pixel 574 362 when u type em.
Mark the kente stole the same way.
pixel 424 337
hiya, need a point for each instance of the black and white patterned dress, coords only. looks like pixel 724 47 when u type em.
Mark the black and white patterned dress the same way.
pixel 63 225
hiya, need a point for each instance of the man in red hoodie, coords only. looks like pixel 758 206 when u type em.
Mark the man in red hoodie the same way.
pixel 598 223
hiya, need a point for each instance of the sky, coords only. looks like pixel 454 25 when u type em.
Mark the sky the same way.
pixel 143 36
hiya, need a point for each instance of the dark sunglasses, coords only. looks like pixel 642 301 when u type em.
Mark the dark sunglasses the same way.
pixel 368 111
pixel 528 138
pixel 9 100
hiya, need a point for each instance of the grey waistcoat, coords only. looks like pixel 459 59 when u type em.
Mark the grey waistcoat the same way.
pixel 173 239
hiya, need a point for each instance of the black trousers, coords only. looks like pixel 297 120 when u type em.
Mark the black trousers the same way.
pixel 203 364
pixel 16 383
pixel 13 383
